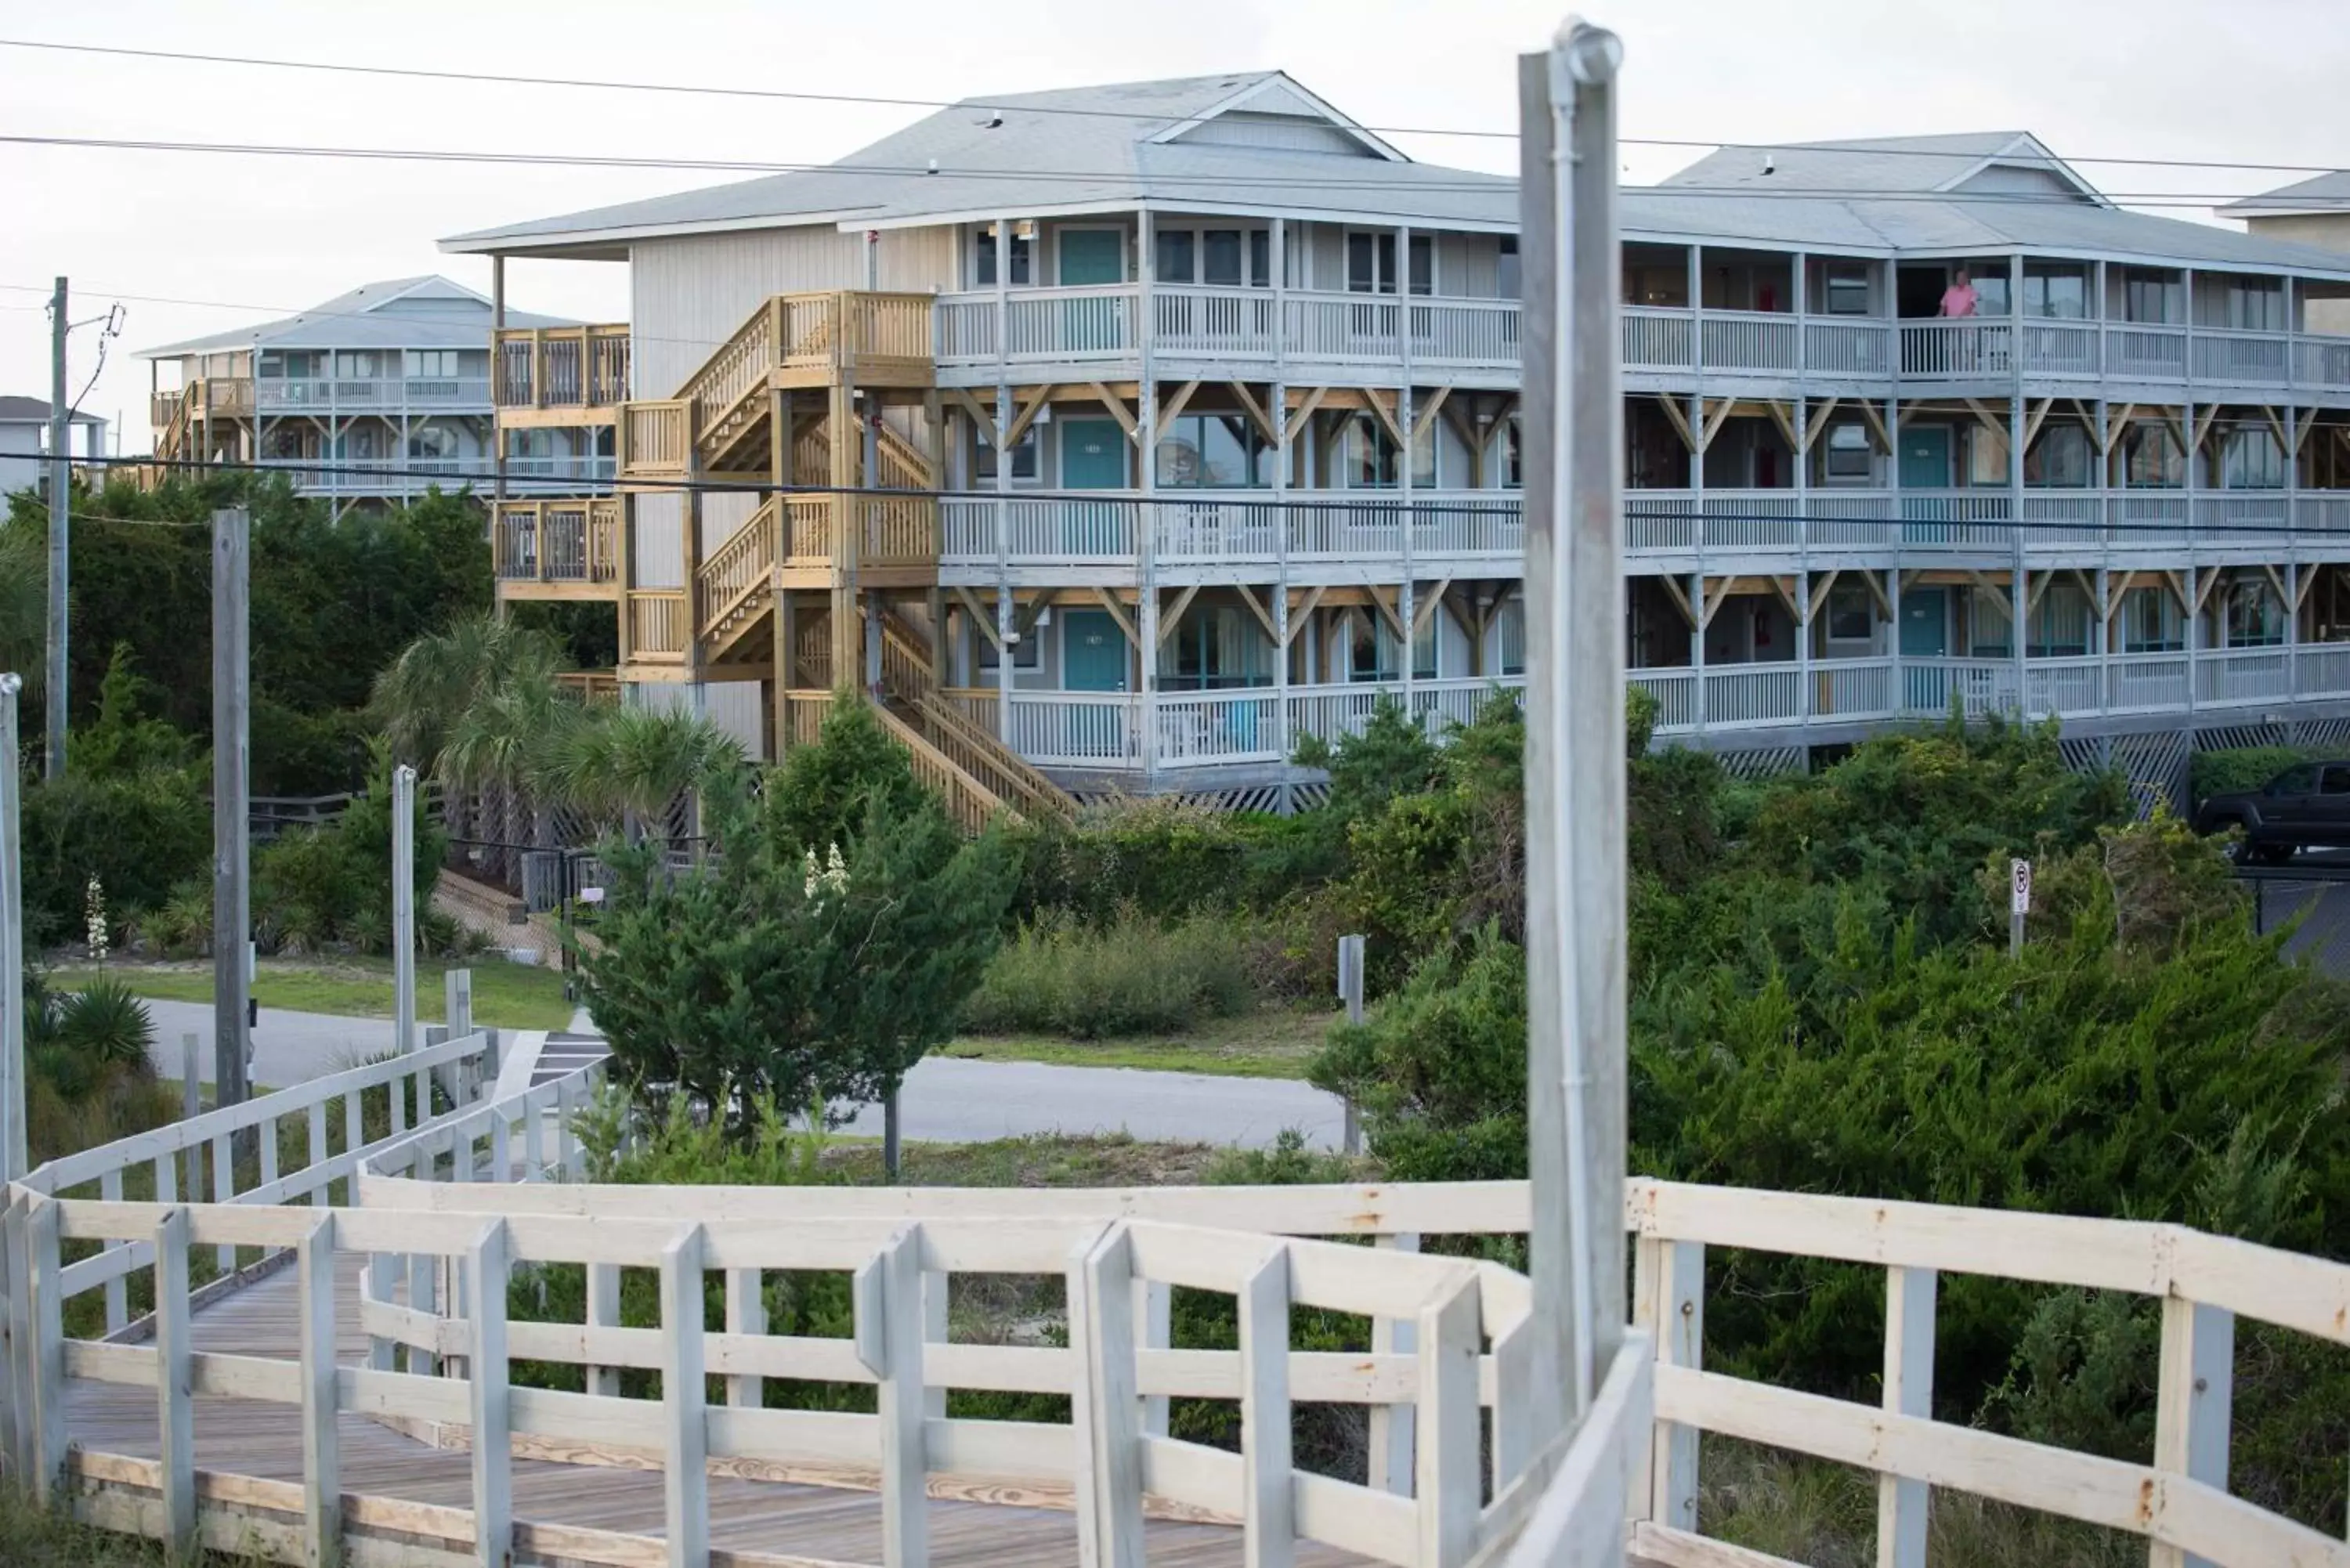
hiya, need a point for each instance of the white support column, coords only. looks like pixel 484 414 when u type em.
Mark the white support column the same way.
pixel 1005 618
pixel 1145 459
pixel 1901 1504
pixel 2017 586
pixel 1697 533
pixel 1277 408
pixel 1407 459
pixel 604 1312
pixel 1803 306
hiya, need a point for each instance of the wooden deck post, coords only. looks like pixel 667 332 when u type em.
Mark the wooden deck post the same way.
pixel 322 1469
pixel 1154 1327
pixel 1268 1510
pixel 175 1471
pixel 486 1260
pixel 685 1480
pixel 604 1312
pixel 1105 1410
pixel 50 1435
pixel 1680 1328
pixel 746 1312
pixel 1392 1425
pixel 1901 1503
pixel 1451 1440
pixel 905 1496
pixel 2194 1400
pixel 118 1298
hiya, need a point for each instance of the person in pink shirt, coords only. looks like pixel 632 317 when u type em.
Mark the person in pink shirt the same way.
pixel 1959 299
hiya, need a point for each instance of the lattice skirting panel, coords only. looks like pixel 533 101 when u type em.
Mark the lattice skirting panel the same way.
pixel 2154 763
pixel 1765 762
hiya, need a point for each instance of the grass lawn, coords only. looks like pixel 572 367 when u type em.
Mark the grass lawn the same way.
pixel 505 995
pixel 1274 1041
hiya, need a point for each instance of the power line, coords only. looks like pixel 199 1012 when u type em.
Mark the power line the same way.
pixel 1384 509
pixel 777 93
pixel 1493 185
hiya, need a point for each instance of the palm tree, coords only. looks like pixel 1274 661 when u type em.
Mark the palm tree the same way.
pixel 474 706
pixel 633 762
pixel 422 699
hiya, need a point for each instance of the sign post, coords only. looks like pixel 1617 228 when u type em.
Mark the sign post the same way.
pixel 2019 904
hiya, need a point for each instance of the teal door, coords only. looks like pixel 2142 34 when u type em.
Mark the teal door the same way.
pixel 1926 623
pixel 1093 323
pixel 1093 457
pixel 1092 256
pixel 1925 466
pixel 1092 652
pixel 1926 457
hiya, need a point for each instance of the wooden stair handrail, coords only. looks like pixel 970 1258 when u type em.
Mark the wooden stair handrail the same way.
pixel 971 803
pixel 1018 776
pixel 752 542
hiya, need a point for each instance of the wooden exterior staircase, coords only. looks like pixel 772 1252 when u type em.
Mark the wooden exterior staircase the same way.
pixel 910 687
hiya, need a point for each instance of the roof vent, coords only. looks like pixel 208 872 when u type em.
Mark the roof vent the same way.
pixel 990 120
pixel 1770 164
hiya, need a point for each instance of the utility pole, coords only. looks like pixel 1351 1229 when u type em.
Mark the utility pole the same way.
pixel 13 1153
pixel 232 809
pixel 60 506
pixel 1574 766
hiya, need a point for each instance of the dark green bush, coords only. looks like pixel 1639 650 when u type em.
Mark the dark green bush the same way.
pixel 2238 768
pixel 139 835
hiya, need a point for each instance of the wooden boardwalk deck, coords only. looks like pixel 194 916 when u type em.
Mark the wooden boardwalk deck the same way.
pixel 827 1524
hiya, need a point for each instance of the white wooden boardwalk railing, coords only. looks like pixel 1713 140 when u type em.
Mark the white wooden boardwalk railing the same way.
pixel 1450 1476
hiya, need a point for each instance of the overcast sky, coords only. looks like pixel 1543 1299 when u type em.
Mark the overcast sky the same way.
pixel 2249 80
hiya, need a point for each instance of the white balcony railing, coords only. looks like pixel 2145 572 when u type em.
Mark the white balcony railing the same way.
pixel 1089 324
pixel 1262 723
pixel 379 394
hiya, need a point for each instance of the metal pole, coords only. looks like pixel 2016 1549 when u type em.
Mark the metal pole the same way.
pixel 1574 730
pixel 60 509
pixel 404 909
pixel 13 1156
pixel 232 806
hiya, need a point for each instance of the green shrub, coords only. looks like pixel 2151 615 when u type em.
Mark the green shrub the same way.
pixel 331 886
pixel 2238 768
pixel 1165 857
pixel 1135 976
pixel 181 926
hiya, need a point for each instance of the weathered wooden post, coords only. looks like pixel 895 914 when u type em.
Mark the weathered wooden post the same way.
pixel 1350 991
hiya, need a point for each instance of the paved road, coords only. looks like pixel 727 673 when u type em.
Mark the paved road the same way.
pixel 944 1100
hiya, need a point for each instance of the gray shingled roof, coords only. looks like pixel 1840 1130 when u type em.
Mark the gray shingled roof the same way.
pixel 425 312
pixel 1920 164
pixel 1029 152
pixel 1000 155
pixel 15 411
pixel 2320 193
